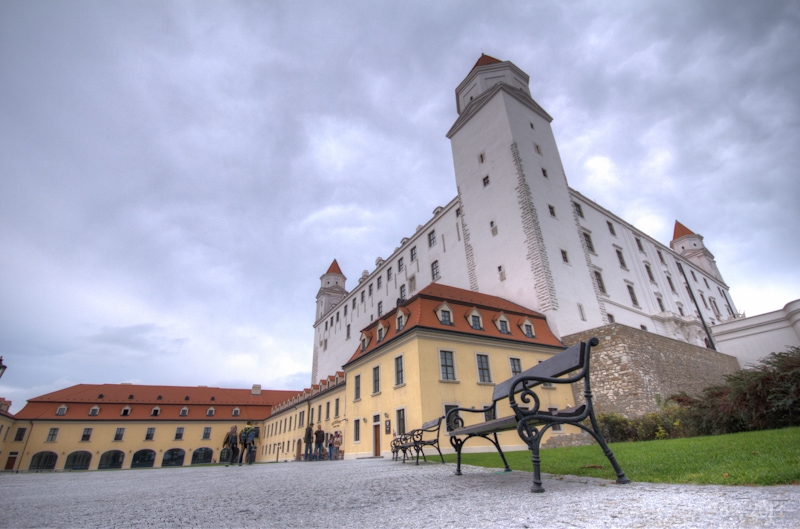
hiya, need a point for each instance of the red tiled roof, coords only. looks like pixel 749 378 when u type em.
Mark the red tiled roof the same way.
pixel 486 59
pixel 420 312
pixel 680 231
pixel 334 268
pixel 111 398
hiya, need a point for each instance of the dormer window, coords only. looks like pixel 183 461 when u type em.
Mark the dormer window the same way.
pixel 62 410
pixel 94 411
pixel 445 317
pixel 528 330
pixel 502 324
pixel 155 412
pixel 210 412
pixel 363 344
pixel 184 411
pixel 186 397
pixel 475 320
pixel 159 397
pixel 236 412
pixel 125 411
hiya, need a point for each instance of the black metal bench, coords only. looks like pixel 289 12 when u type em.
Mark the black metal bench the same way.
pixel 427 435
pixel 401 443
pixel 529 419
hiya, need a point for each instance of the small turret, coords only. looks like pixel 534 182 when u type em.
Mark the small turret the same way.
pixel 332 289
pixel 690 245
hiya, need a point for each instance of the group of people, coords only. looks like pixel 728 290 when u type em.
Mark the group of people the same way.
pixel 331 442
pixel 246 440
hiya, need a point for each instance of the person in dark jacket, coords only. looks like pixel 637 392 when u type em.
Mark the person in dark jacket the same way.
pixel 319 440
pixel 308 439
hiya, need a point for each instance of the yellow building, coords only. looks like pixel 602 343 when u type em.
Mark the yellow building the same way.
pixel 91 426
pixel 443 348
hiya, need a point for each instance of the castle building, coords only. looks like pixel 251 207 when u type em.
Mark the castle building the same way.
pixel 516 230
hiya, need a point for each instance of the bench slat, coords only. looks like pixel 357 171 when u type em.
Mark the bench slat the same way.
pixel 560 364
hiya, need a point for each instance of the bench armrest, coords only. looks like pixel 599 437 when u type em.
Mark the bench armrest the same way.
pixel 522 391
pixel 453 420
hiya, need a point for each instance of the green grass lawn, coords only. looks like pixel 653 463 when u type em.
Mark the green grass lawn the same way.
pixel 768 457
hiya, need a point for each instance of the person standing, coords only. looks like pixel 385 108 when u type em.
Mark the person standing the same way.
pixel 308 439
pixel 319 440
pixel 337 442
pixel 330 446
pixel 231 442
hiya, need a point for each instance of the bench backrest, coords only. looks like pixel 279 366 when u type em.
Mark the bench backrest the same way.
pixel 567 360
pixel 432 425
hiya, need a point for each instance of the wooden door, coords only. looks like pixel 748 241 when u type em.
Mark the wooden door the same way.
pixel 12 459
pixel 376 440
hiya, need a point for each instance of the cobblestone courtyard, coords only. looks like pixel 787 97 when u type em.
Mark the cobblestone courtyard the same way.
pixel 375 493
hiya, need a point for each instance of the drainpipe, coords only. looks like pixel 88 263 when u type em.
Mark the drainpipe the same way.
pixel 700 312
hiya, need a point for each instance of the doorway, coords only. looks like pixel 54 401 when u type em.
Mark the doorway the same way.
pixel 376 435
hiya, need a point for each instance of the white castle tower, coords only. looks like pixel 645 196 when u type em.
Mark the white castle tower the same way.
pixel 519 219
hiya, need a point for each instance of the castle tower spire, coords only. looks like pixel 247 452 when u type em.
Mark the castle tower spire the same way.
pixel 331 290
pixel 690 245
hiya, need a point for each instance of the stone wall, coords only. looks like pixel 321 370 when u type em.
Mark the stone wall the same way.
pixel 633 371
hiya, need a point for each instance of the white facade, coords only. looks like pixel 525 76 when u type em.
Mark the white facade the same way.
pixel 751 339
pixel 516 230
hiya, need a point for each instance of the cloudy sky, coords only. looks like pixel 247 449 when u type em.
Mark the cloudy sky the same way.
pixel 175 176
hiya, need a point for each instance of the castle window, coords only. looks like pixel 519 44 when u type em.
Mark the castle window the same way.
pixel 660 257
pixel 671 285
pixel 706 282
pixel 544 172
pixel 399 376
pixel 337 316
pixel 179 433
pixel 633 296
pixel 516 366
pixel 680 310
pixel 354 303
pixel 435 270
pixel 649 273
pixel 363 294
pixel 357 387
pixel 588 239
pixel 413 254
pixel 552 210
pixel 52 435
pixel 445 317
pixel 370 289
pixel 389 274
pixel 528 330
pixel 207 432
pixel 610 318
pixel 376 380
pixel 20 434
pixel 564 256
pixel 62 410
pixel 400 265
pixel 484 374
pixel 611 228
pixel 380 309
pixel 432 239
pixel 639 244
pixel 448 368
pixel 693 276
pixel 481 158
pixel 119 434
pixel 621 259
pixel 150 435
pixel 412 283
pixel 660 304
pixel 643 327
pixel 402 292
pixel 581 312
pixel 537 149
pixel 532 125
pixel 87 434
pixel 348 331
pixel 704 300
pixel 578 209
pixel 601 286
pixel 345 311
pixel 485 181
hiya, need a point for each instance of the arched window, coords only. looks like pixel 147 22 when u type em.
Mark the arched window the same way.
pixel 78 460
pixel 210 412
pixel 143 459
pixel 173 458
pixel 111 459
pixel 43 461
pixel 202 456
pixel 94 411
pixel 155 412
pixel 62 410
pixel 235 412
pixel 184 411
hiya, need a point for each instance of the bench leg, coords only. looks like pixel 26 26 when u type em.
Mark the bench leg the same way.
pixel 496 443
pixel 537 476
pixel 457 444
pixel 622 479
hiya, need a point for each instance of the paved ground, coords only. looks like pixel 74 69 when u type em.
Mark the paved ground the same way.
pixel 375 493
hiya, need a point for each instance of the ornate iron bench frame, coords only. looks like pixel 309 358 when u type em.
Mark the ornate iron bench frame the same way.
pixel 418 439
pixel 531 424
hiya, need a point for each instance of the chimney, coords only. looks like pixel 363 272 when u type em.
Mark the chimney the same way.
pixel 256 389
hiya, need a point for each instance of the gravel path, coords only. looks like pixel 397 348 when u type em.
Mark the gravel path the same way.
pixel 375 493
